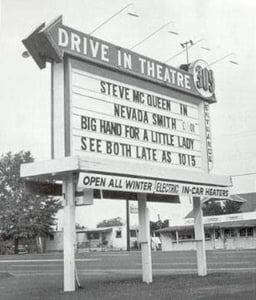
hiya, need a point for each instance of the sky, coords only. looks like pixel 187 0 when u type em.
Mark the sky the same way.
pixel 227 28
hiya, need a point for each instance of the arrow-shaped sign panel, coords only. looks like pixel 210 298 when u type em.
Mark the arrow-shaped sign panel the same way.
pixel 51 42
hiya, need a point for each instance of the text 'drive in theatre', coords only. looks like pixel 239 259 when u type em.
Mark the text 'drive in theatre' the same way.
pixel 111 118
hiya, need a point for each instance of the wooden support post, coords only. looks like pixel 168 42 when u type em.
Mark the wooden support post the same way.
pixel 69 233
pixel 57 111
pixel 199 237
pixel 144 239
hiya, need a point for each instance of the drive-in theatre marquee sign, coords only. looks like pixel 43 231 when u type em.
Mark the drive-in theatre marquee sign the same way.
pixel 124 114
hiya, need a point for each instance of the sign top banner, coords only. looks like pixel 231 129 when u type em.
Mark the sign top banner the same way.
pixel 51 42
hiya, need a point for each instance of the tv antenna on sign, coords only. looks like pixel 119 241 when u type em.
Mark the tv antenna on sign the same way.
pixel 186 46
pixel 154 33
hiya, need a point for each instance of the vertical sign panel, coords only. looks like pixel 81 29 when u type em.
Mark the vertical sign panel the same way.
pixel 208 136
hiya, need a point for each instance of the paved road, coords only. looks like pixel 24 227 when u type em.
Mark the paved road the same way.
pixel 129 263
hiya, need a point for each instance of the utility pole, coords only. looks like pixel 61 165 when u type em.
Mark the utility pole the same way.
pixel 128 225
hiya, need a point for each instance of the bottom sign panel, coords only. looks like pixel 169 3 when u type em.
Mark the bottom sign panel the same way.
pixel 43 188
pixel 122 195
pixel 149 186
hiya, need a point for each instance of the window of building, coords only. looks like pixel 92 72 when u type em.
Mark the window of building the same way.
pixel 232 232
pixel 242 231
pixel 217 233
pixel 207 234
pixel 227 233
pixel 93 235
pixel 186 236
pixel 51 237
pixel 173 236
pixel 118 234
pixel 133 233
pixel 189 236
pixel 250 231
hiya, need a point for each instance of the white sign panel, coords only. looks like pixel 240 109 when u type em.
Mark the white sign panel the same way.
pixel 129 184
pixel 117 120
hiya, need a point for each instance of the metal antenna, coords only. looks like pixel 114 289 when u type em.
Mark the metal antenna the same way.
pixel 185 46
pixel 150 35
pixel 182 51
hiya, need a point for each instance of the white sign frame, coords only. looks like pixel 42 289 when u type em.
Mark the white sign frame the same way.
pixel 62 121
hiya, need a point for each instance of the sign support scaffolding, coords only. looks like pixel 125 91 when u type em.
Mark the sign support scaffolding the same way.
pixel 124 124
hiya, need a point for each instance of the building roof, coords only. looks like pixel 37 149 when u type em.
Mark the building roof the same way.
pixel 239 224
pixel 100 229
pixel 134 227
pixel 223 221
pixel 248 205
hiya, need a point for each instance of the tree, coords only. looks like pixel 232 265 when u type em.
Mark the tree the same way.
pixel 232 207
pixel 79 226
pixel 211 207
pixel 22 215
pixel 158 225
pixel 111 222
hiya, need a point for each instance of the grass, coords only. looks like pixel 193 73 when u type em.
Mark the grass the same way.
pixel 115 287
pixel 106 278
pixel 5 275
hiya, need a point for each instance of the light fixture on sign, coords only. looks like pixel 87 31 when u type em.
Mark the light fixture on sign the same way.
pixel 133 15
pixel 150 35
pixel 25 54
pixel 223 57
pixel 113 16
pixel 206 48
pixel 173 32
pixel 234 62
